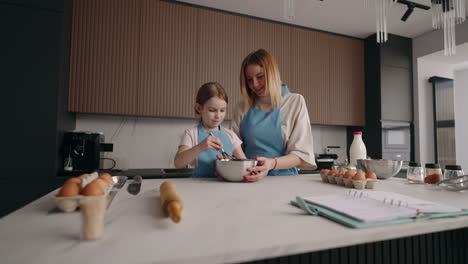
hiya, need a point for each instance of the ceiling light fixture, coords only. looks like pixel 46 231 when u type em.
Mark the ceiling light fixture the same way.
pixel 408 12
pixel 445 14
pixel 411 6
pixel 288 9
pixel 381 7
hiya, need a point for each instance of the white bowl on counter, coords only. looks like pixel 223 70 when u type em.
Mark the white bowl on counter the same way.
pixel 234 170
pixel 383 168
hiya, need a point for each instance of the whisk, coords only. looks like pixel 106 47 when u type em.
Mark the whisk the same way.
pixel 222 150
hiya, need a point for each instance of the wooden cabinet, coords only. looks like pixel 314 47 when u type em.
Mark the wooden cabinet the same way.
pixel 104 57
pixel 328 71
pixel 274 38
pixel 347 99
pixel 168 65
pixel 310 71
pixel 148 58
pixel 222 46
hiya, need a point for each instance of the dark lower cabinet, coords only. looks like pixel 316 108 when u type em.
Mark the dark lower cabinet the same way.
pixel 441 247
pixel 34 55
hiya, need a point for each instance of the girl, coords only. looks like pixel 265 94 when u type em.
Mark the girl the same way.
pixel 202 143
pixel 273 123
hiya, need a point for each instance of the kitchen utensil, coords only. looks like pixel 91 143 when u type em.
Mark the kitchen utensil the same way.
pixel 383 168
pixel 171 203
pixel 119 182
pixel 222 150
pixel 234 169
pixel 135 185
pixel 459 183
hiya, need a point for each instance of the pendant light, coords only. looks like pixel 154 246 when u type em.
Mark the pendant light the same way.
pixel 288 9
pixel 381 7
pixel 445 14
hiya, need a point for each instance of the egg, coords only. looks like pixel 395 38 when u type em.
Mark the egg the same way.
pixel 74 180
pixel 333 172
pixel 371 175
pixel 94 188
pixel 106 177
pixel 324 171
pixel 349 174
pixel 343 171
pixel 103 183
pixel 82 176
pixel 359 176
pixel 69 189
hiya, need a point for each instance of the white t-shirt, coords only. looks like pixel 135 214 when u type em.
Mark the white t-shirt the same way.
pixel 190 139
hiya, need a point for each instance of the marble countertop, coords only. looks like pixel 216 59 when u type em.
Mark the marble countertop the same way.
pixel 222 222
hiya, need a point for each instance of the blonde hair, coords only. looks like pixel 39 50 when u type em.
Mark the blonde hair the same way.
pixel 209 90
pixel 272 77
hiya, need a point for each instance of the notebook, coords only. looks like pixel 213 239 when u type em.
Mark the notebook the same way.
pixel 361 209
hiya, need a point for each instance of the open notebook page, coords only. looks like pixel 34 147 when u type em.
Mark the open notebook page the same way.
pixel 423 206
pixel 361 208
pixel 370 206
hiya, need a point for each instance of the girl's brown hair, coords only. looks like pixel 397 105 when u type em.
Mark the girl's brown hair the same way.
pixel 265 60
pixel 209 90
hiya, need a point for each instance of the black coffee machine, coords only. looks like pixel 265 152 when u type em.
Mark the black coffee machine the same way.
pixel 82 151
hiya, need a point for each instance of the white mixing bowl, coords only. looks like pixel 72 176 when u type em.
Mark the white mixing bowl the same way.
pixel 234 169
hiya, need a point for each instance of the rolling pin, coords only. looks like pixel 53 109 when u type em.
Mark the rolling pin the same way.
pixel 171 203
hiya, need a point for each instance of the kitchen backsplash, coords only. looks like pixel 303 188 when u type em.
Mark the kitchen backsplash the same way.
pixel 141 142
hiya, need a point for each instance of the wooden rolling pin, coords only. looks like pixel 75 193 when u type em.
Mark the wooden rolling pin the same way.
pixel 171 203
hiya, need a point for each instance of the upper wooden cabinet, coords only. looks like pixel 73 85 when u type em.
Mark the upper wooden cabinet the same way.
pixel 347 95
pixel 104 56
pixel 274 38
pixel 168 60
pixel 310 72
pixel 221 48
pixel 148 58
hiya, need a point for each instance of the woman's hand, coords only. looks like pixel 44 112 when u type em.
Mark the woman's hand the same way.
pixel 261 170
pixel 211 142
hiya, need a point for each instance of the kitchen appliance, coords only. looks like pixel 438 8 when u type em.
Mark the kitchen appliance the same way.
pixel 83 151
pixel 396 140
pixel 325 161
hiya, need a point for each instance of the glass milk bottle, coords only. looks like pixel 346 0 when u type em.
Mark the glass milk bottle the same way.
pixel 357 149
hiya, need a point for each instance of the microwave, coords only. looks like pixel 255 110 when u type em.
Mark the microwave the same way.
pixel 396 140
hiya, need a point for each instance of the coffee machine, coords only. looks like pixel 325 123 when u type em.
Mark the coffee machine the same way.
pixel 82 151
pixel 327 160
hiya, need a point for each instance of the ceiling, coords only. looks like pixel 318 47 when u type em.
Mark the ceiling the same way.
pixel 459 61
pixel 346 17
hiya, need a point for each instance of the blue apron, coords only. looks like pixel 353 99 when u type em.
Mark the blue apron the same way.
pixel 207 158
pixel 261 133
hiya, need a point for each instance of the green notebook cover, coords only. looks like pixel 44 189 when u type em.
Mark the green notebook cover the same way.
pixel 349 221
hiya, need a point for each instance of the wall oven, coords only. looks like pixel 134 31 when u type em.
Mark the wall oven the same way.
pixel 396 140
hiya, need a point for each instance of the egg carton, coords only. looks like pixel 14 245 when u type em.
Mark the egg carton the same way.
pixel 70 203
pixel 347 182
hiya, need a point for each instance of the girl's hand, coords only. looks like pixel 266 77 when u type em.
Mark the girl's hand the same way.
pixel 261 170
pixel 211 142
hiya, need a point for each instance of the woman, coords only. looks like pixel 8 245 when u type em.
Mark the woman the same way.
pixel 272 122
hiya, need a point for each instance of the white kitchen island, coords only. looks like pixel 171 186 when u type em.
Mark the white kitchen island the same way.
pixel 223 222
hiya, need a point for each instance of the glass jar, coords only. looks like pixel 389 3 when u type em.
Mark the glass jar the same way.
pixel 433 173
pixel 452 171
pixel 415 173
